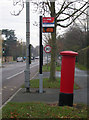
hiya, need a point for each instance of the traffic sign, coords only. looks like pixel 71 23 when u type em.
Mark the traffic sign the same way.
pixel 47 48
pixel 48 24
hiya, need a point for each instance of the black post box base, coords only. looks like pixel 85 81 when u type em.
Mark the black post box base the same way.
pixel 65 99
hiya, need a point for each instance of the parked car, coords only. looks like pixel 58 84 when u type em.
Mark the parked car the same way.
pixel 19 59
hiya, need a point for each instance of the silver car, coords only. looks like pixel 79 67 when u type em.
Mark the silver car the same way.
pixel 19 59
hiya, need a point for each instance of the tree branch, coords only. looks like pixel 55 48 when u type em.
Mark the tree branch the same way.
pixel 64 26
pixel 73 13
pixel 62 10
pixel 15 3
pixel 76 9
pixel 22 5
pixel 47 3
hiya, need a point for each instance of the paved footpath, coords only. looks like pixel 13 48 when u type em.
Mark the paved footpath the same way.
pixel 52 95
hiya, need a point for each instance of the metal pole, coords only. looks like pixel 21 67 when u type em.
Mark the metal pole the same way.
pixel 47 61
pixel 27 70
pixel 41 60
pixel 40 44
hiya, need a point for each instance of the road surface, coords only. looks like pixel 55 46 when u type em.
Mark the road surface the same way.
pixel 13 77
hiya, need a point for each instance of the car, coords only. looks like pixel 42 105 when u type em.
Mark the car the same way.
pixel 19 59
pixel 37 57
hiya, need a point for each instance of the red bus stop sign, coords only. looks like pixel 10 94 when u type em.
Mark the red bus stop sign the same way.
pixel 48 24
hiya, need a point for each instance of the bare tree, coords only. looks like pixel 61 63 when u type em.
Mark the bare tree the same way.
pixel 47 39
pixel 65 13
pixel 20 5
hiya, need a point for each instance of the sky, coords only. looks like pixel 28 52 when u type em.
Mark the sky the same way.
pixel 18 23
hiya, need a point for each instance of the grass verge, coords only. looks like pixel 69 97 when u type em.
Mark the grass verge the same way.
pixel 42 110
pixel 46 68
pixel 48 84
pixel 81 67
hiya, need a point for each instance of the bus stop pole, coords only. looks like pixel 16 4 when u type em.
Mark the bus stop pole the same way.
pixel 41 59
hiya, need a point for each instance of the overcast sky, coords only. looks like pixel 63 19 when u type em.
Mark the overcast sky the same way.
pixel 18 23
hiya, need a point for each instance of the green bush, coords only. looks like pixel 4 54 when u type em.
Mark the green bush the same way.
pixel 83 57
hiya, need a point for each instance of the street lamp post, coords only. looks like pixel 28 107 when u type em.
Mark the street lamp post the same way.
pixel 27 70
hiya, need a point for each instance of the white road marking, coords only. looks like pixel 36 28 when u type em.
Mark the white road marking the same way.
pixel 9 99
pixel 14 94
pixel 15 75
pixel 19 73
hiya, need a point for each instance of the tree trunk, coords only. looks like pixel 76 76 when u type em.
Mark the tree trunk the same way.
pixel 53 45
pixel 53 58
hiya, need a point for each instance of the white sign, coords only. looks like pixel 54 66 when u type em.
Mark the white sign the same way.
pixel 47 48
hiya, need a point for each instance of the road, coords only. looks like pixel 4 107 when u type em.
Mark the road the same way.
pixel 13 77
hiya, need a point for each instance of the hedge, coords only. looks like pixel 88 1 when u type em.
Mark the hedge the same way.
pixel 83 57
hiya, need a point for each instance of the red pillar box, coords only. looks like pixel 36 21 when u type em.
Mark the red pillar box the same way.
pixel 67 78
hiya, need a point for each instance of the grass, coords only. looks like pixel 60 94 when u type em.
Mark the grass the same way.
pixel 48 84
pixel 46 68
pixel 42 110
pixel 81 67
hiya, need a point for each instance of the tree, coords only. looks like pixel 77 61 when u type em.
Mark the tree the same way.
pixel 11 45
pixel 47 39
pixel 10 42
pixel 65 13
pixel 64 16
pixel 20 6
pixel 60 40
pixel 74 39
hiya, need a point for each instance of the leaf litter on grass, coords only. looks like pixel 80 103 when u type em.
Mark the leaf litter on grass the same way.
pixel 42 110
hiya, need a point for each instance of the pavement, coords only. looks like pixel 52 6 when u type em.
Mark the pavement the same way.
pixel 52 95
